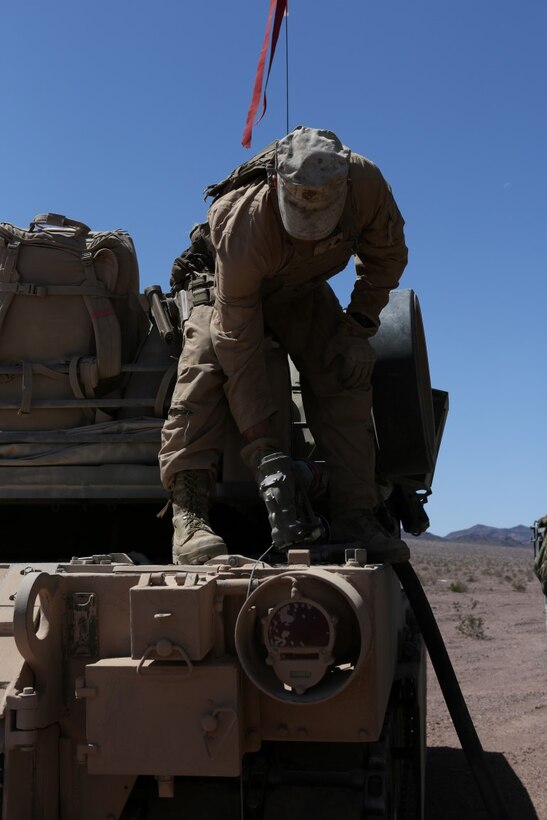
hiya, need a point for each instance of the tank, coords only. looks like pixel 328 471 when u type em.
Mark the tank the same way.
pixel 263 684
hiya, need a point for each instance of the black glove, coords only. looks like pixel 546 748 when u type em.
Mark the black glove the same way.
pixel 365 322
pixel 352 352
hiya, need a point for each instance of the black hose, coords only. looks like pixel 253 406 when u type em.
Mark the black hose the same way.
pixel 450 687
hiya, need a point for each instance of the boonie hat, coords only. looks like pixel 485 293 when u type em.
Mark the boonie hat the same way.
pixel 312 168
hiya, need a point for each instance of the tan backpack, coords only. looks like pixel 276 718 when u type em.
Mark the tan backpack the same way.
pixel 70 315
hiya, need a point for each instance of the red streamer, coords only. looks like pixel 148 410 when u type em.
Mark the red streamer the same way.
pixel 279 7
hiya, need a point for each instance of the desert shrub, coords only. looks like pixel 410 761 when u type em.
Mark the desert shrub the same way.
pixel 458 586
pixel 469 624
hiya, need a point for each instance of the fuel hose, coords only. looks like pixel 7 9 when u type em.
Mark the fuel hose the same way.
pixel 452 693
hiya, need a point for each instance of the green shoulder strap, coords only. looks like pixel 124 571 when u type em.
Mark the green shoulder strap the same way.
pixel 261 165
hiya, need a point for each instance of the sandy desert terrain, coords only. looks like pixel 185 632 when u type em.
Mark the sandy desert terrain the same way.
pixel 490 611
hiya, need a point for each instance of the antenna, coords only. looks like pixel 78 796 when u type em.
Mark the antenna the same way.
pixel 286 15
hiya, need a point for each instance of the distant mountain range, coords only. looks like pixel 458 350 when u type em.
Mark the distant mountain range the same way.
pixel 518 536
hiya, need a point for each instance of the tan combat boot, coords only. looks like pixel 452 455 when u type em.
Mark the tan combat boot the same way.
pixel 194 542
pixel 362 525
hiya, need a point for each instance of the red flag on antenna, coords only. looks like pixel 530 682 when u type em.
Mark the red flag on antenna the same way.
pixel 280 8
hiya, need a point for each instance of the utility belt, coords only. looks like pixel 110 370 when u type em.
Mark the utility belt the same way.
pixel 200 288
pixel 192 274
pixel 171 311
pixel 195 289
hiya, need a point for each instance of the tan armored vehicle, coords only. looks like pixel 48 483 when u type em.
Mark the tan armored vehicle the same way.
pixel 266 684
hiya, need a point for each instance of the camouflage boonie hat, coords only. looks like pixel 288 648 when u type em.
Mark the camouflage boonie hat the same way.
pixel 312 168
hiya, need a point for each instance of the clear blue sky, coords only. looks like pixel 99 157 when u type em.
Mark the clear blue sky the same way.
pixel 118 113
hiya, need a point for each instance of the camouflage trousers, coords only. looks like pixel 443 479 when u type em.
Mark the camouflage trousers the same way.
pixel 339 416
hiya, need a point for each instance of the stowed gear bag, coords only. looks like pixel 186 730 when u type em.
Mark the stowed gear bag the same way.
pixel 69 317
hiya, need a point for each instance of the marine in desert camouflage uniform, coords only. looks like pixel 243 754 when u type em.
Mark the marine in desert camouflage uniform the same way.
pixel 276 243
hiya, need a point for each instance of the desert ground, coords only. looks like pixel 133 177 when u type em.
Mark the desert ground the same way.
pixel 490 611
